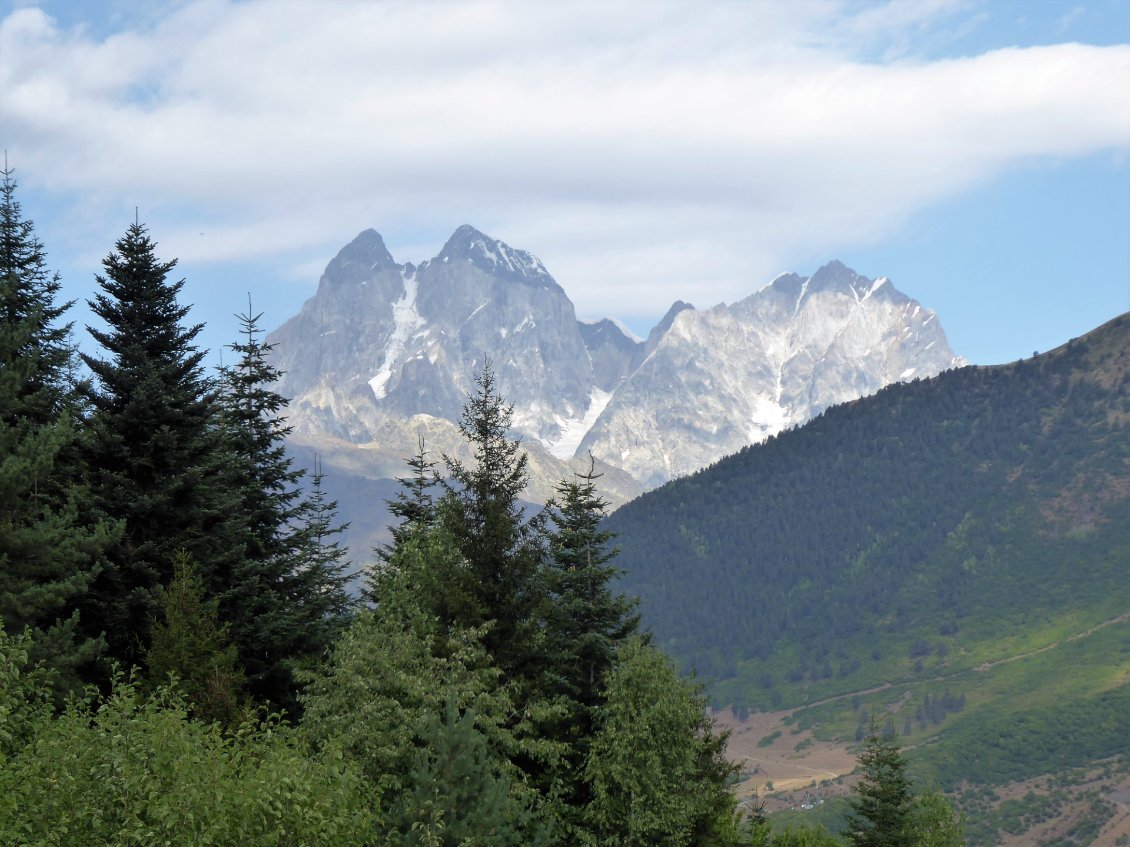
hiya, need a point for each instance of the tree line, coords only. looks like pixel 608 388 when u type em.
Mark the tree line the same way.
pixel 180 662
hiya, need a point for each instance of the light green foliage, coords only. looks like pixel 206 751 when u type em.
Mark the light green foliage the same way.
pixel 23 701
pixel 655 760
pixel 935 822
pixel 190 645
pixel 409 700
pixel 136 770
pixel 805 836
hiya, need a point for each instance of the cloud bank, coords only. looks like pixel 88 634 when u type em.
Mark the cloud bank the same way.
pixel 643 151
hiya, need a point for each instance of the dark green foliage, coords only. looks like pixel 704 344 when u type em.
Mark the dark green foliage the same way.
pixel 154 452
pixel 882 804
pixel 895 539
pixel 414 505
pixel 284 597
pixel 456 796
pixel 501 549
pixel 48 550
pixel 586 623
pixel 894 536
pixel 585 620
pixel 190 645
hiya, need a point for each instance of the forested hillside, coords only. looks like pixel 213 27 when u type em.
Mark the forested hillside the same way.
pixel 917 540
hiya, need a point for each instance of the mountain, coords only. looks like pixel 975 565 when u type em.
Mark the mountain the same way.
pixel 952 552
pixel 715 381
pixel 384 354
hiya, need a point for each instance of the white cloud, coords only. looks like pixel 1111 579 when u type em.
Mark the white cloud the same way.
pixel 645 151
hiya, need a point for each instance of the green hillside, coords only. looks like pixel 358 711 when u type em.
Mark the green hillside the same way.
pixel 943 550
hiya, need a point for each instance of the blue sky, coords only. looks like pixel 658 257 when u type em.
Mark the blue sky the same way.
pixel 977 153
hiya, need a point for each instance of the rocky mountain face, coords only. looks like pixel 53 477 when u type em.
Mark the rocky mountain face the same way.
pixel 715 381
pixel 385 353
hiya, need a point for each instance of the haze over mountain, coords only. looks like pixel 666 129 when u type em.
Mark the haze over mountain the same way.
pixel 385 353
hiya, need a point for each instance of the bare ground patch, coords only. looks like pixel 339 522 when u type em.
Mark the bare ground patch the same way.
pixel 792 761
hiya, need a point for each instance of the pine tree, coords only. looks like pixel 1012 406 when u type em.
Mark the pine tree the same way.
pixel 189 642
pixel 586 621
pixel 153 450
pixel 501 549
pixel 457 794
pixel 882 805
pixel 414 504
pixel 285 597
pixel 48 551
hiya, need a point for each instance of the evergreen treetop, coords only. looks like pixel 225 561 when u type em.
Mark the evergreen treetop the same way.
pixel 882 806
pixel 153 453
pixel 49 549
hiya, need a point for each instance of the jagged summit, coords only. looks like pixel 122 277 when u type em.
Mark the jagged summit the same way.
pixel 495 257
pixel 382 346
pixel 360 258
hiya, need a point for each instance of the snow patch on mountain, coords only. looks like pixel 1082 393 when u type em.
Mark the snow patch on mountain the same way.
pixel 406 322
pixel 573 431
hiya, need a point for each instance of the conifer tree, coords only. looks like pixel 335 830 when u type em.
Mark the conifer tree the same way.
pixel 456 796
pixel 414 504
pixel 882 805
pixel 190 642
pixel 586 622
pixel 285 596
pixel 48 551
pixel 153 450
pixel 502 550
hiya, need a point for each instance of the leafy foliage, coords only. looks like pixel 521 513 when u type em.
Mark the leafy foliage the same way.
pixel 192 648
pixel 129 769
pixel 655 761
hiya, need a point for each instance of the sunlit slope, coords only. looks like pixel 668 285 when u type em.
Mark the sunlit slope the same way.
pixel 909 542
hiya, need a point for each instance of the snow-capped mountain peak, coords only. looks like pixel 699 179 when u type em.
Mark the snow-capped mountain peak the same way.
pixel 467 244
pixel 382 345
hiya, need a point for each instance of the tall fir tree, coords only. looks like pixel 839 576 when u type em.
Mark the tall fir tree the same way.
pixel 153 452
pixel 882 805
pixel 285 598
pixel 585 622
pixel 48 552
pixel 502 550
